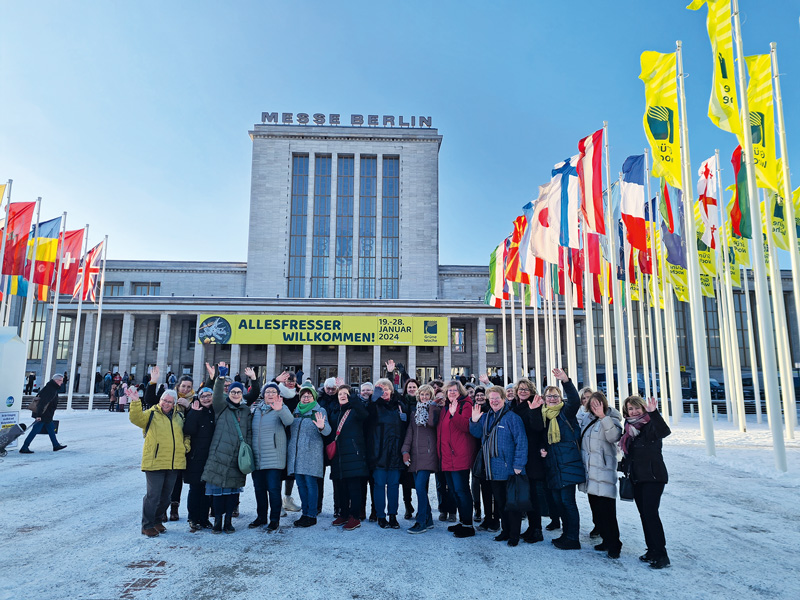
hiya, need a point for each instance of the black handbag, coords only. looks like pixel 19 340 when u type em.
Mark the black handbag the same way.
pixel 625 488
pixel 478 466
pixel 518 494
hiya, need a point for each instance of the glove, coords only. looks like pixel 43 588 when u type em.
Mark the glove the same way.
pixel 223 371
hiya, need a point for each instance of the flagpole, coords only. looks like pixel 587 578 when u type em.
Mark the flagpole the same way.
pixel 752 344
pixel 699 344
pixel 524 333
pixel 634 387
pixel 559 361
pixel 643 337
pixel 671 334
pixel 724 345
pixel 5 298
pixel 550 354
pixel 514 363
pixel 48 369
pixel 572 362
pixel 787 195
pixel 91 374
pixel 78 320
pixel 611 392
pixel 28 315
pixel 536 357
pixel 588 308
pixel 733 337
pixel 619 326
pixel 505 345
pixel 765 333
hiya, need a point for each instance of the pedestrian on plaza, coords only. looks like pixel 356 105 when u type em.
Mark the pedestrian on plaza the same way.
pixel 29 385
pixel 48 402
pixel 420 453
pixel 199 426
pixel 113 399
pixel 107 381
pixel 289 389
pixel 163 455
pixel 122 398
pixel 64 383
pixel 171 380
pixel 643 462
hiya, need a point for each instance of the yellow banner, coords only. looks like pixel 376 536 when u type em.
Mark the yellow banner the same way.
pixel 635 292
pixel 762 120
pixel 661 114
pixel 707 285
pixel 680 281
pixel 708 262
pixel 723 107
pixel 323 330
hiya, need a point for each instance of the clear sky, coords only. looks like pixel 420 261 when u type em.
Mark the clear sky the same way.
pixel 133 115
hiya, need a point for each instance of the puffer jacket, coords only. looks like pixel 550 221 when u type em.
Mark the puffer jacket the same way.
pixel 307 444
pixel 420 441
pixel 645 461
pixel 269 435
pixel 537 439
pixel 512 443
pixel 563 462
pixel 457 447
pixel 222 466
pixel 599 453
pixel 48 402
pixel 199 427
pixel 350 459
pixel 386 432
pixel 165 447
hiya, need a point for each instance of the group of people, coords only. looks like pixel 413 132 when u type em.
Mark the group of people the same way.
pixel 480 444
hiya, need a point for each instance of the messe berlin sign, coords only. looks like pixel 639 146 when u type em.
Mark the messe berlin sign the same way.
pixel 323 330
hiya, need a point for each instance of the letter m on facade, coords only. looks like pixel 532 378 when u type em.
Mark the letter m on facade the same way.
pixel 269 117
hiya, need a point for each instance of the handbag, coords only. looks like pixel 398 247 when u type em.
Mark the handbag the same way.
pixel 247 463
pixel 34 405
pixel 625 488
pixel 330 449
pixel 518 494
pixel 478 467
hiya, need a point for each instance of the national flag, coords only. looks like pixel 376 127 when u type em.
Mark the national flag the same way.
pixel 667 211
pixel 723 107
pixel 540 237
pixel 46 245
pixel 513 270
pixel 2 195
pixel 20 215
pixel 89 271
pixel 494 294
pixel 740 211
pixel 16 285
pixel 707 201
pixel 593 252
pixel 590 175
pixel 71 242
pixel 659 74
pixel 632 203
pixel 42 292
pixel 565 185
pixel 762 120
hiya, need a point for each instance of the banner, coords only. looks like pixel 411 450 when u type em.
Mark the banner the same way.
pixel 323 330
pixel 659 75
pixel 762 120
pixel 679 280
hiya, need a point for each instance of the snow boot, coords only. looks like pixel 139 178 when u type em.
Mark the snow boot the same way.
pixel 173 511
pixel 217 525
pixel 228 527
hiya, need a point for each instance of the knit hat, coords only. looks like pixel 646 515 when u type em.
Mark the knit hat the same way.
pixel 205 390
pixel 236 385
pixel 330 382
pixel 309 387
pixel 269 385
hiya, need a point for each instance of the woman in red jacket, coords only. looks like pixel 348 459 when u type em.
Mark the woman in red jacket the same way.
pixel 457 450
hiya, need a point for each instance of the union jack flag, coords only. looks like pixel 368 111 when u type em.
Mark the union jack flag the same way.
pixel 90 288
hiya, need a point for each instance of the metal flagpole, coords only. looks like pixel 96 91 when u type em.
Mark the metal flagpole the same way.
pixel 6 294
pixel 608 351
pixel 788 206
pixel 26 320
pixel 559 362
pixel 91 374
pixel 671 337
pixel 524 332
pixel 643 336
pixel 730 406
pixel 629 312
pixel 751 342
pixel 514 364
pixel 78 320
pixel 590 372
pixel 572 362
pixel 536 358
pixel 699 344
pixel 54 320
pixel 548 284
pixel 505 345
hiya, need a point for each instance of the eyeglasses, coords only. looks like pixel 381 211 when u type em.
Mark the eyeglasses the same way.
pixel 236 391
pixel 552 397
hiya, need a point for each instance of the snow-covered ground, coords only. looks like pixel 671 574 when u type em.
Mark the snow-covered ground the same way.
pixel 70 525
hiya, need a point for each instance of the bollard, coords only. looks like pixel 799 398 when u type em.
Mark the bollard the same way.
pixel 691 409
pixel 716 413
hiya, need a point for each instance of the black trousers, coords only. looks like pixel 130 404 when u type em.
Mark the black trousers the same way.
pixel 604 514
pixel 224 505
pixel 482 492
pixel 648 498
pixel 407 483
pixel 366 481
pixel 352 504
pixel 198 503
pixel 511 520
pixel 552 504
pixel 535 513
pixel 177 489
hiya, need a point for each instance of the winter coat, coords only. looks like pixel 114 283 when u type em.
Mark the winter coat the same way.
pixel 420 441
pixel 599 453
pixel 387 430
pixel 512 443
pixel 48 402
pixel 456 446
pixel 269 435
pixel 563 462
pixel 644 462
pixel 164 445
pixel 537 439
pixel 307 444
pixel 199 427
pixel 222 466
pixel 350 459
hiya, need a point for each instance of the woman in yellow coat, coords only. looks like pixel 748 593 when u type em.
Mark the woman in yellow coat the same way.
pixel 163 455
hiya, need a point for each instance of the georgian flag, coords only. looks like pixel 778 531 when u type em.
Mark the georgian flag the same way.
pixel 707 199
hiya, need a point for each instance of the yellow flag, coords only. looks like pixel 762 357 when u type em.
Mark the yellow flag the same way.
pixel 723 107
pixel 679 280
pixel 2 192
pixel 635 292
pixel 762 120
pixel 661 114
pixel 707 285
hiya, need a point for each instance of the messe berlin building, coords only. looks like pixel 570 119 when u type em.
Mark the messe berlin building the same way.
pixel 342 274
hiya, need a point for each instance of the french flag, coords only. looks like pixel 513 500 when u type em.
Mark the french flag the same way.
pixel 632 205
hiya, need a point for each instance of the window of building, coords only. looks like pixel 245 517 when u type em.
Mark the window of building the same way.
pixel 740 311
pixel 155 337
pixel 681 331
pixel 343 275
pixel 456 372
pixel 712 333
pixel 458 339
pixel 390 228
pixel 425 374
pixel 359 374
pixel 191 339
pixel 599 335
pixel 366 226
pixel 113 288
pixel 360 349
pixel 64 333
pixel 297 226
pixel 146 289
pixel 37 331
pixel 325 371
pixel 428 349
pixel 320 241
pixel 491 339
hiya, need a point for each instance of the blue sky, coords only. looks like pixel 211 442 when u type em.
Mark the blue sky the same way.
pixel 133 116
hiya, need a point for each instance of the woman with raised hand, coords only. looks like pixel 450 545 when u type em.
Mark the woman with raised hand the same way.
pixel 306 448
pixel 529 409
pixel 643 462
pixel 481 488
pixel 562 455
pixel 199 426
pixel 419 453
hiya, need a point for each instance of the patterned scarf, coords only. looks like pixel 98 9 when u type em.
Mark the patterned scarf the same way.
pixel 549 413
pixel 421 416
pixel 633 426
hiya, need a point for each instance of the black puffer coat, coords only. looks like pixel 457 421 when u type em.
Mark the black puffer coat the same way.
pixel 199 426
pixel 48 402
pixel 644 462
pixel 222 465
pixel 387 432
pixel 537 439
pixel 350 459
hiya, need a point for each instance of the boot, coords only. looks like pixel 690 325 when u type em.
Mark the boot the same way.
pixel 660 562
pixel 173 511
pixel 409 512
pixel 228 528
pixel 393 522
pixel 531 536
pixel 217 525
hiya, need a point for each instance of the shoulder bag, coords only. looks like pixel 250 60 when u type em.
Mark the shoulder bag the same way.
pixel 34 405
pixel 247 463
pixel 330 449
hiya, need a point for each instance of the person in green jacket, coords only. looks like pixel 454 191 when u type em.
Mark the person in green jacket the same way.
pixel 163 454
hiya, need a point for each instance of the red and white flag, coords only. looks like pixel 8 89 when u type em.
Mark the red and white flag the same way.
pixel 591 180
pixel 707 198
pixel 90 274
pixel 70 252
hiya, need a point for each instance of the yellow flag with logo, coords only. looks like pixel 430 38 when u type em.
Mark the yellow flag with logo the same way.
pixel 723 107
pixel 659 75
pixel 762 120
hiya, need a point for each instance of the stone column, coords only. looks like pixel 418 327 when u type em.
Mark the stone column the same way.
pixel 236 359
pixel 341 367
pixel 163 347
pixel 198 365
pixel 481 346
pixel 411 366
pixel 86 354
pixel 271 357
pixel 376 363
pixel 306 363
pixel 126 343
pixel 447 354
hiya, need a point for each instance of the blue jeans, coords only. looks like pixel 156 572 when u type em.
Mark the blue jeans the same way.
pixel 267 484
pixel 387 483
pixel 568 510
pixel 421 480
pixel 458 482
pixel 308 486
pixel 36 428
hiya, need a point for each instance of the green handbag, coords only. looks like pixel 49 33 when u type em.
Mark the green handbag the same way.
pixel 247 463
